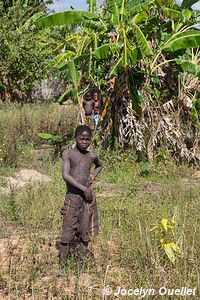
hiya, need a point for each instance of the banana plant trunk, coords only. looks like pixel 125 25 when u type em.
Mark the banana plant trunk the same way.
pixel 119 95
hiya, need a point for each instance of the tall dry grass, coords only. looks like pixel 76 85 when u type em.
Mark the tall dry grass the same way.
pixel 19 125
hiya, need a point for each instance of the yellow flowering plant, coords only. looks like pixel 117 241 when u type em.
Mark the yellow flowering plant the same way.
pixel 165 232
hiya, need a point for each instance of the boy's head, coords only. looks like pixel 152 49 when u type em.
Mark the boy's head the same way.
pixel 95 95
pixel 83 136
pixel 87 96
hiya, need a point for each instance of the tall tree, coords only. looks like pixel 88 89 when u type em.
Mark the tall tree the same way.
pixel 24 55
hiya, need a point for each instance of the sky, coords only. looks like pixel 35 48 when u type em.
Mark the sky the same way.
pixel 60 5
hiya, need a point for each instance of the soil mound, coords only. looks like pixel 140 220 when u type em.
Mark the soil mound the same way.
pixel 22 178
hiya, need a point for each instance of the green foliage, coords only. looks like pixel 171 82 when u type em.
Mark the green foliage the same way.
pixel 92 5
pixel 142 42
pixel 171 13
pixel 65 18
pixel 189 67
pixel 195 113
pixel 23 56
pixel 188 3
pixel 113 7
pixel 183 40
pixel 151 40
pixel 141 7
pixel 117 67
pixel 54 138
pixel 67 94
pixel 165 233
pixel 105 51
pixel 145 169
pixel 72 74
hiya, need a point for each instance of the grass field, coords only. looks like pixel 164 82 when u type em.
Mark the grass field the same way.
pixel 132 198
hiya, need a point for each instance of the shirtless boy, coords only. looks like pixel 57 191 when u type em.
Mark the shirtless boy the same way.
pixel 97 108
pixel 80 218
pixel 88 106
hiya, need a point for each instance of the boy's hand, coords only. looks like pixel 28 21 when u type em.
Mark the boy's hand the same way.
pixel 88 195
pixel 92 177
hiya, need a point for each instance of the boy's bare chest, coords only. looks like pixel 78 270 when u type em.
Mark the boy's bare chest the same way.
pixel 80 161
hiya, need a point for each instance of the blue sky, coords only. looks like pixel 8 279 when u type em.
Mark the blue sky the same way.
pixel 60 5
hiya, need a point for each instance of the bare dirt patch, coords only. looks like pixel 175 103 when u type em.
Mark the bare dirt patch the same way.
pixel 184 183
pixel 23 178
pixel 109 190
pixel 151 188
pixel 196 175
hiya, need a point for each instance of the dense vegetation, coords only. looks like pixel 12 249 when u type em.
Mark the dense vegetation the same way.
pixel 25 54
pixel 143 56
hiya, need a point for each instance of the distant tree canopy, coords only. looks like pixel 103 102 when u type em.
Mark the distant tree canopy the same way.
pixel 25 54
pixel 34 4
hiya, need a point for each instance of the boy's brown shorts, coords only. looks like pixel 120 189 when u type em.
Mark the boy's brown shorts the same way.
pixel 80 219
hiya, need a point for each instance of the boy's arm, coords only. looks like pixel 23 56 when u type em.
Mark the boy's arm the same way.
pixel 98 167
pixel 65 172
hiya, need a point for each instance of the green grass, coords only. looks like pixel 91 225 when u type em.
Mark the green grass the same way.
pixel 19 125
pixel 132 198
pixel 126 253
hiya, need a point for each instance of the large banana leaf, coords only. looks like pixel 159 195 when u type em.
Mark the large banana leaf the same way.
pixel 117 67
pixel 62 57
pixel 95 25
pixel 189 67
pixel 188 39
pixel 195 117
pixel 106 50
pixel 188 3
pixel 54 138
pixel 113 6
pixel 65 17
pixel 134 54
pixel 136 97
pixel 196 15
pixel 33 19
pixel 67 94
pixel 161 3
pixel 140 17
pixel 142 42
pixel 80 58
pixel 171 13
pixel 123 8
pixel 186 13
pixel 72 74
pixel 139 8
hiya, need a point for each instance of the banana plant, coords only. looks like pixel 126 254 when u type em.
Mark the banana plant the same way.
pixel 120 37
